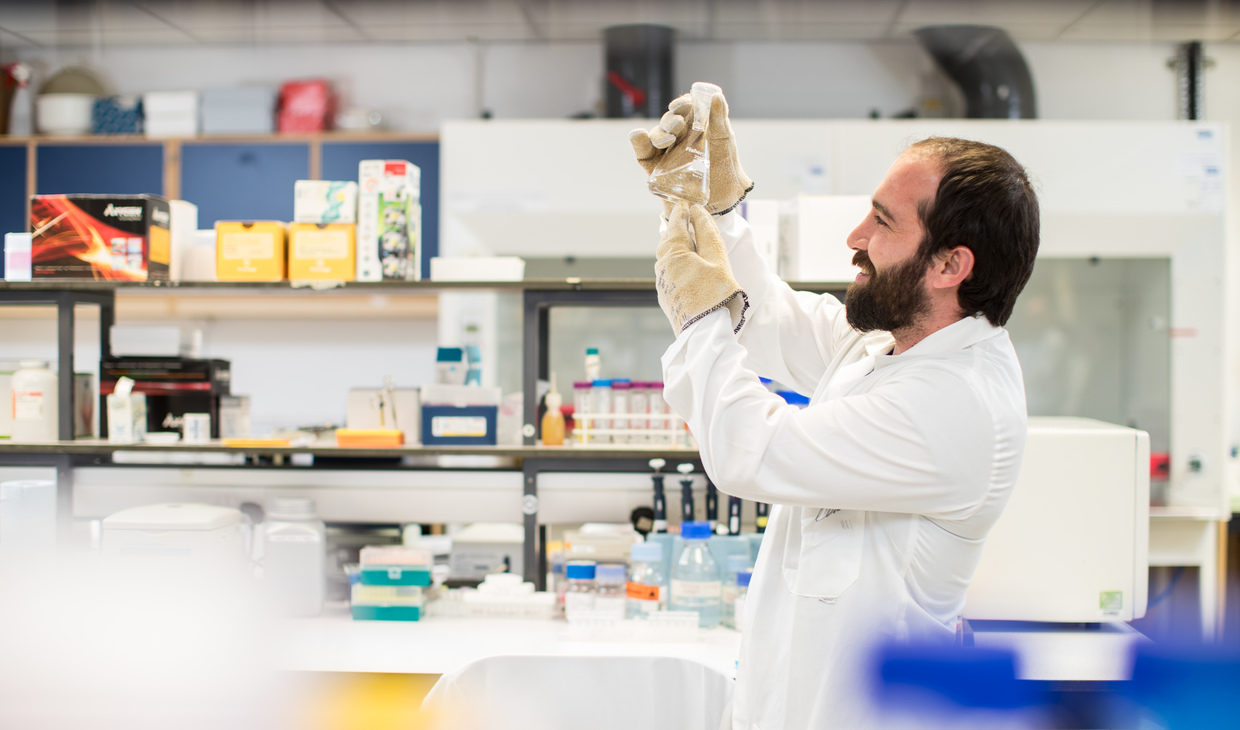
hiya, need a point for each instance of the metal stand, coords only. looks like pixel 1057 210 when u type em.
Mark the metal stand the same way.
pixel 65 300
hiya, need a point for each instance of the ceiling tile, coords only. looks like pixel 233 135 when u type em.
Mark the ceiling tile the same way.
pixel 441 32
pixel 1172 12
pixel 804 31
pixel 994 12
pixel 133 36
pixel 406 14
pixel 797 11
pixel 236 13
pixel 10 39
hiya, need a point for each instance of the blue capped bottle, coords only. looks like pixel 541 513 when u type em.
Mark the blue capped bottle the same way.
pixel 696 582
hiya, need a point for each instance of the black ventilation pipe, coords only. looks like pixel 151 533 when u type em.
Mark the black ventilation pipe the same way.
pixel 638 63
pixel 986 65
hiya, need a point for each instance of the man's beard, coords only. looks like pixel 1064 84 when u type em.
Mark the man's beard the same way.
pixel 892 300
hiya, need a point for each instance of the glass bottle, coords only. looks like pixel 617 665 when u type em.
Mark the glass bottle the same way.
pixel 609 591
pixel 644 589
pixel 696 584
pixel 579 598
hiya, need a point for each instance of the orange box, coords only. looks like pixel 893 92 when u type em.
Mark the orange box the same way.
pixel 249 251
pixel 321 251
pixel 355 438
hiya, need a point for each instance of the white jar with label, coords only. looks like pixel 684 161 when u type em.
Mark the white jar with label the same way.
pixel 35 403
pixel 295 556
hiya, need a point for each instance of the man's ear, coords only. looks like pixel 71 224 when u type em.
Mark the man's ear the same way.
pixel 952 267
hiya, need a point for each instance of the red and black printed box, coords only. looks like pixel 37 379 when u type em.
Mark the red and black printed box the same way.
pixel 173 387
pixel 106 237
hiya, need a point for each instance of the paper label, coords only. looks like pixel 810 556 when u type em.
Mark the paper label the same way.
pixel 321 245
pixel 237 246
pixel 457 426
pixel 696 589
pixel 27 405
pixel 640 592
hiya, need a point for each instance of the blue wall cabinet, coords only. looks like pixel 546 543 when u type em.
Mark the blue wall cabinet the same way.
pixel 251 181
pixel 112 169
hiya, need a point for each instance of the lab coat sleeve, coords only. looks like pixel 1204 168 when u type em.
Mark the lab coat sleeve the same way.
pixel 791 336
pixel 923 443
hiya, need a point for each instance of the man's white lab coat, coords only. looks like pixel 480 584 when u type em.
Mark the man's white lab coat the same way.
pixel 884 487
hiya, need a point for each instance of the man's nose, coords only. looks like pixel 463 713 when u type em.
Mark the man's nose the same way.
pixel 858 240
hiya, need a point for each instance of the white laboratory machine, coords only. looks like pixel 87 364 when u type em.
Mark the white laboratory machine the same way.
pixel 1072 545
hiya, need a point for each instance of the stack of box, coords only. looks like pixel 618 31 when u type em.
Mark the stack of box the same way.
pixel 389 583
pixel 322 242
pixel 389 221
pixel 459 415
pixel 170 113
pixel 109 237
pixel 238 110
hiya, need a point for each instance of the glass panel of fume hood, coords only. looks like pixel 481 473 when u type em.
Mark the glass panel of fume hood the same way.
pixel 630 341
pixel 1093 340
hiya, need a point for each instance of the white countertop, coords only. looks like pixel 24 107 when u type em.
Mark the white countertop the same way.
pixel 336 643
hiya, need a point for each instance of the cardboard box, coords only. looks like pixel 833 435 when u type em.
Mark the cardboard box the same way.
pixel 107 237
pixel 238 110
pixel 321 251
pixel 173 386
pixel 184 228
pixel 459 415
pixel 325 201
pixel 249 251
pixel 389 221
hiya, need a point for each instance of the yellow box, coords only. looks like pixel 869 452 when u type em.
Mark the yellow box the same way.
pixel 321 251
pixel 249 251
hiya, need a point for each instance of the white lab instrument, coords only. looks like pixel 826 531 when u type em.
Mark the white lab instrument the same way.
pixel 177 537
pixel 1072 544
pixel 487 547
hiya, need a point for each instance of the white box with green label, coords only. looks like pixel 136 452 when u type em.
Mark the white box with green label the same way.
pixel 1072 544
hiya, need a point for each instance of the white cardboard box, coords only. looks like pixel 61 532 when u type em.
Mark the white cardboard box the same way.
pixel 389 221
pixel 325 201
pixel 477 268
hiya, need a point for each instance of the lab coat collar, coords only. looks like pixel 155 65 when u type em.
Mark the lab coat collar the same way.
pixel 956 336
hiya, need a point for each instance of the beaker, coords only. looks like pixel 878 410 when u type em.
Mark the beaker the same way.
pixel 684 171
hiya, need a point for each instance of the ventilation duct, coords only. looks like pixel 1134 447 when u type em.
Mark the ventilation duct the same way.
pixel 986 65
pixel 639 70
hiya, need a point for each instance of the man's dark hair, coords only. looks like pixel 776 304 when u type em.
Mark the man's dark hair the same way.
pixel 985 203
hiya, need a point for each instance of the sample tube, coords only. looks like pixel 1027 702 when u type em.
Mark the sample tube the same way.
pixel 620 388
pixel 601 400
pixel 639 406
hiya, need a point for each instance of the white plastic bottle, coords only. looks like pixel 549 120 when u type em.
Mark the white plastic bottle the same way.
pixel 594 364
pixel 35 403
pixel 295 556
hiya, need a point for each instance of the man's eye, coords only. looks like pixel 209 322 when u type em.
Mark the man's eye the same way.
pixel 881 222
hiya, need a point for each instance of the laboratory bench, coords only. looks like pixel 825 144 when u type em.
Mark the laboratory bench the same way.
pixel 334 642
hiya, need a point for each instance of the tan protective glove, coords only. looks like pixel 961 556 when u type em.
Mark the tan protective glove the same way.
pixel 728 182
pixel 695 280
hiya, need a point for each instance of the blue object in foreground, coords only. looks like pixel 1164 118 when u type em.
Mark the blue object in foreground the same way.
pixel 1188 687
pixel 968 678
